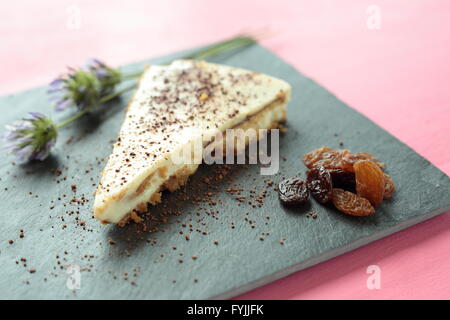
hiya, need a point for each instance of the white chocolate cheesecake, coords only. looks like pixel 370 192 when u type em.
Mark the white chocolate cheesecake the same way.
pixel 175 106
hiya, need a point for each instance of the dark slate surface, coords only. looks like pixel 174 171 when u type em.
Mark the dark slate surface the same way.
pixel 240 261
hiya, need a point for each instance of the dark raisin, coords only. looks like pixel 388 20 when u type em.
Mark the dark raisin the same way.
pixel 293 191
pixel 343 179
pixel 320 184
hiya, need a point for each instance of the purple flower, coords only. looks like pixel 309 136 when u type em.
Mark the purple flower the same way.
pixel 32 138
pixel 100 69
pixel 84 87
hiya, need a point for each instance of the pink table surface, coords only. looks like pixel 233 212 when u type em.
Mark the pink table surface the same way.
pixel 398 76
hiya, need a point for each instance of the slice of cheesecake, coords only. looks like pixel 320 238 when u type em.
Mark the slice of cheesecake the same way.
pixel 175 106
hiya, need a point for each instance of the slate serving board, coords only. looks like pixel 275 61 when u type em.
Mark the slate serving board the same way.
pixel 134 263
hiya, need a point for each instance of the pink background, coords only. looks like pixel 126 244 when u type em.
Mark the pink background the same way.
pixel 398 76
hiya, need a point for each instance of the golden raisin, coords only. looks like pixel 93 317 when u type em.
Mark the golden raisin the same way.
pixel 327 158
pixel 369 181
pixel 350 159
pixel 389 186
pixel 351 203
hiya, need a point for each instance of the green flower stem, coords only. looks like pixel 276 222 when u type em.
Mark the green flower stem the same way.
pixel 132 75
pixel 73 118
pixel 221 47
pixel 116 94
pixel 209 51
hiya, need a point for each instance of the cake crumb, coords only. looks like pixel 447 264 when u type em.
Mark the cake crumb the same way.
pixel 135 217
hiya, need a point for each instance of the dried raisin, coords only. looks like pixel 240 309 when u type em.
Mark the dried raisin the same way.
pixel 369 181
pixel 342 179
pixel 326 157
pixel 350 159
pixel 320 184
pixel 389 186
pixel 293 191
pixel 330 158
pixel 351 203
